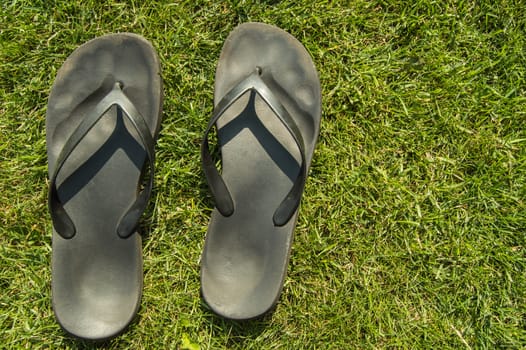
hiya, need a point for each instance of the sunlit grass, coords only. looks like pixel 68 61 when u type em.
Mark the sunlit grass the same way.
pixel 412 228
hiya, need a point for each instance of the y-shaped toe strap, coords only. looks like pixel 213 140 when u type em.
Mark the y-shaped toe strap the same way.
pixel 224 202
pixel 128 223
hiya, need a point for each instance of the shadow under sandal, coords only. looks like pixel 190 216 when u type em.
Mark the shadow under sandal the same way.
pixel 267 116
pixel 103 118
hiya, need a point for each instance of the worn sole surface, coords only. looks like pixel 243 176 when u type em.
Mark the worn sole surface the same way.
pixel 245 256
pixel 96 275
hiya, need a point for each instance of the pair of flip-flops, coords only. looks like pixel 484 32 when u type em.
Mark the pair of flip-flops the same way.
pixel 103 118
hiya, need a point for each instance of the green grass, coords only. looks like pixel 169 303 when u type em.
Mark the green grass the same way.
pixel 412 231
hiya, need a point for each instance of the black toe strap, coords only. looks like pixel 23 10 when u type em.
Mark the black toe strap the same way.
pixel 224 202
pixel 128 223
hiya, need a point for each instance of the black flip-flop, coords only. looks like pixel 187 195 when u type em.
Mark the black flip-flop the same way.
pixel 103 118
pixel 267 115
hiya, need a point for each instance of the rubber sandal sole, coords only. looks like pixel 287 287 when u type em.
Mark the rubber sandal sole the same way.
pixel 247 246
pixel 97 274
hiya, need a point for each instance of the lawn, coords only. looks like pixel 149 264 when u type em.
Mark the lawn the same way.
pixel 412 229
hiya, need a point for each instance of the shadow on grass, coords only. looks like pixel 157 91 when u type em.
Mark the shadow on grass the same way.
pixel 72 342
pixel 236 332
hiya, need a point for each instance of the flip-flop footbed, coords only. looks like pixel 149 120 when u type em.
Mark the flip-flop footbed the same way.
pixel 97 275
pixel 246 254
